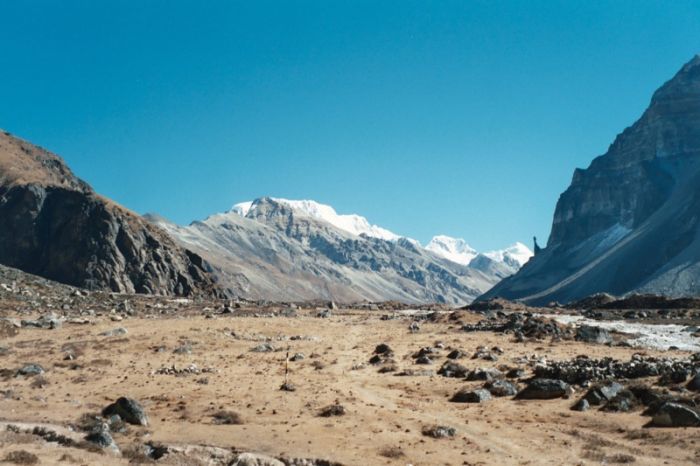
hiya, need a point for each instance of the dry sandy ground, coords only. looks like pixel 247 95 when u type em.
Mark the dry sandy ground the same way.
pixel 385 412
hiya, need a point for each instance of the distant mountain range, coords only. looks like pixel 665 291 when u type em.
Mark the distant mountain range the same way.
pixel 299 250
pixel 630 222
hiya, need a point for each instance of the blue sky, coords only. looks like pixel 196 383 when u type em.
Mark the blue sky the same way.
pixel 464 118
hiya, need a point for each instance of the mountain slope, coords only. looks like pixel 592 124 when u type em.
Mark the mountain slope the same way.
pixel 630 222
pixel 54 225
pixel 296 250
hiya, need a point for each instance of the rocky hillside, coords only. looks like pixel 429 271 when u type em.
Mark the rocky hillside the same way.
pixel 282 250
pixel 54 225
pixel 630 221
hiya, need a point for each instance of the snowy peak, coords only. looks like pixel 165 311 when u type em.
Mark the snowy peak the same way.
pixel 516 255
pixel 350 223
pixel 453 249
pixel 457 250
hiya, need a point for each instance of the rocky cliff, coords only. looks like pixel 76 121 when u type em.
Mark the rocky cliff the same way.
pixel 630 222
pixel 54 225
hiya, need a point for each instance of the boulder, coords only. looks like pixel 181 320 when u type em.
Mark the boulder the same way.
pixel 672 414
pixel 590 334
pixel 471 396
pixel 543 389
pixel 501 387
pixel 453 369
pixel 602 393
pixel 129 410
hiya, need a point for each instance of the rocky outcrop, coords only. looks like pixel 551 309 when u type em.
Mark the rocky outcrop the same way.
pixel 629 221
pixel 54 225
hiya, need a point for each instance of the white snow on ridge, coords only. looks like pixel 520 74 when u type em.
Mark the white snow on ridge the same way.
pixel 353 224
pixel 453 249
pixel 242 208
pixel 516 254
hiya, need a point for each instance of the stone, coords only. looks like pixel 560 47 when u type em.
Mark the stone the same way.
pixel 602 393
pixel 439 432
pixel 501 387
pixel 672 414
pixel 424 360
pixel 581 405
pixel 332 410
pixel 382 348
pixel 456 354
pixel 543 389
pixel 590 334
pixel 129 410
pixel 101 437
pixel 254 459
pixel 694 383
pixel 471 396
pixel 453 369
pixel 30 370
pixel 263 348
pixel 484 374
pixel 115 332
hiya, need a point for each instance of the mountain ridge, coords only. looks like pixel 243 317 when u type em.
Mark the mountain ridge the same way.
pixel 628 222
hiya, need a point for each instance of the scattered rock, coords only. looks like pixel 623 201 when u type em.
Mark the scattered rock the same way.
pixel 263 348
pixel 694 383
pixel 129 410
pixel 485 374
pixel 332 410
pixel 543 389
pixel 227 418
pixel 602 393
pixel 254 459
pixel 590 334
pixel 453 369
pixel 501 387
pixel 456 354
pixel 466 395
pixel 439 431
pixel 101 437
pixel 116 332
pixel 288 387
pixel 382 348
pixel 30 370
pixel 672 414
pixel 581 405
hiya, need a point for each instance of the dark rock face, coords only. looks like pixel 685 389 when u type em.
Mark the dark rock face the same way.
pixel 57 227
pixel 633 210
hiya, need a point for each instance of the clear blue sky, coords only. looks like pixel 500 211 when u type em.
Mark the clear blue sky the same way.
pixel 464 118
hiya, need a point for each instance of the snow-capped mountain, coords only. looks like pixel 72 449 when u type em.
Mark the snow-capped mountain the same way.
pixel 454 249
pixel 457 250
pixel 299 250
pixel 516 255
pixel 353 224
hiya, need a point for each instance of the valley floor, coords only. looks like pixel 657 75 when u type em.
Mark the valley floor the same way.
pixel 384 413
